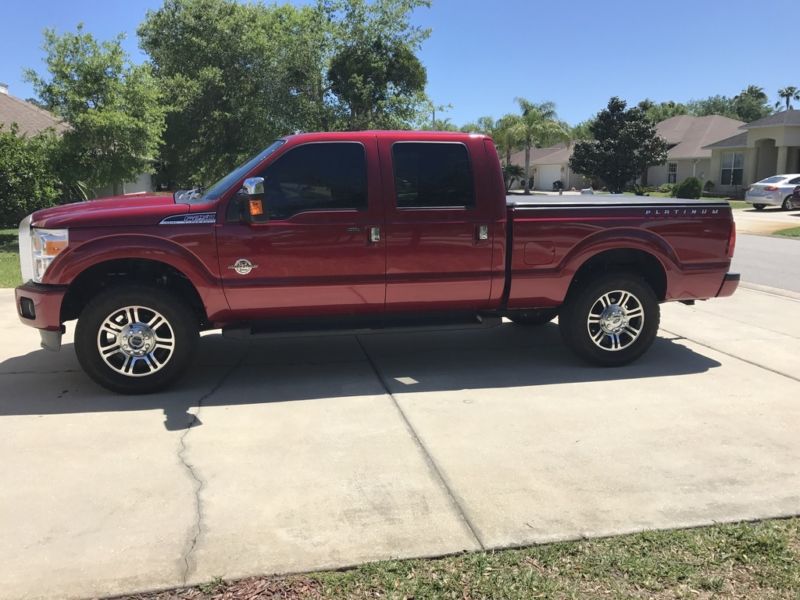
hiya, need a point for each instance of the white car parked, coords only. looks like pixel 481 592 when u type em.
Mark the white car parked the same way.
pixel 774 191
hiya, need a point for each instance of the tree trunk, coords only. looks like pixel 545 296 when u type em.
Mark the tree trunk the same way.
pixel 527 169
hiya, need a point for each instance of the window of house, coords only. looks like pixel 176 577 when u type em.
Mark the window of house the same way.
pixel 672 172
pixel 732 168
pixel 432 174
pixel 323 176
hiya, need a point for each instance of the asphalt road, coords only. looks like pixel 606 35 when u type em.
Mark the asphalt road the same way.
pixel 768 261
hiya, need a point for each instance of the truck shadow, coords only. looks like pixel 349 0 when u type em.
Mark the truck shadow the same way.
pixel 229 372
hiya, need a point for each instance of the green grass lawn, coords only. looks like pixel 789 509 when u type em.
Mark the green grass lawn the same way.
pixel 9 259
pixel 791 232
pixel 744 560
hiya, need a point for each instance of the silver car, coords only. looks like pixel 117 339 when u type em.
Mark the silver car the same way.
pixel 774 191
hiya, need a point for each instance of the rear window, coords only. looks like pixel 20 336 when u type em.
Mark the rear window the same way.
pixel 774 179
pixel 432 175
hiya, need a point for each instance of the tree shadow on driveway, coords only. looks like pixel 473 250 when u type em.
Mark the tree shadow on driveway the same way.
pixel 230 372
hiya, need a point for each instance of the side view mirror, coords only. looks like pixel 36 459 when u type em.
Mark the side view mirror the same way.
pixel 251 197
pixel 253 186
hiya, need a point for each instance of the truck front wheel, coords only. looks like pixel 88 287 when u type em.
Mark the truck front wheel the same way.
pixel 610 321
pixel 135 339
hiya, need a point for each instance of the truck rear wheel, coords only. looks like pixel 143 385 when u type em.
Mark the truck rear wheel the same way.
pixel 612 320
pixel 135 339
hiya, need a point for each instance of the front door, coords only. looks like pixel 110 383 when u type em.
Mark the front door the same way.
pixel 314 248
pixel 439 226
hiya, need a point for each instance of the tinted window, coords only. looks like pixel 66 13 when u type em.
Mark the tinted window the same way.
pixel 774 179
pixel 432 174
pixel 795 181
pixel 329 176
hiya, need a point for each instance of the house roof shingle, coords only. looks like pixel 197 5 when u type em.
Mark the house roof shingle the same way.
pixel 553 155
pixel 785 117
pixel 30 119
pixel 735 141
pixel 689 136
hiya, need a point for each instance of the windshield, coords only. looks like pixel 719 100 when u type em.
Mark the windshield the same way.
pixel 774 179
pixel 221 186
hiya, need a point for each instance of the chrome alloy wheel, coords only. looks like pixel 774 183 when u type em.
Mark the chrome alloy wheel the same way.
pixel 136 341
pixel 615 320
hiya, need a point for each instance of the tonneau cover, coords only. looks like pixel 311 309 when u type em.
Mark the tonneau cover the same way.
pixel 574 200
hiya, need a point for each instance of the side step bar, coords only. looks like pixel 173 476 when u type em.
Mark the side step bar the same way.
pixel 299 329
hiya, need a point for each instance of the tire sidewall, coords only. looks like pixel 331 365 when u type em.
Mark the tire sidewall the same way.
pixel 174 310
pixel 573 319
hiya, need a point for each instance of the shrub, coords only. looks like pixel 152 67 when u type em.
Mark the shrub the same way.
pixel 666 188
pixel 28 181
pixel 709 186
pixel 688 188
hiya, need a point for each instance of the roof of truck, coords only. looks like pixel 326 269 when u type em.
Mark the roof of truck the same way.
pixel 387 134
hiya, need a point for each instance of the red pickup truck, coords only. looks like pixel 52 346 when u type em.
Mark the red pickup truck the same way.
pixel 360 231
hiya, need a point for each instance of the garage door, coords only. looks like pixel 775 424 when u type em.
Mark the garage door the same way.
pixel 547 174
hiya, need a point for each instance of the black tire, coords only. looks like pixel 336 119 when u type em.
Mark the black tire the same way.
pixel 759 206
pixel 533 318
pixel 170 362
pixel 787 203
pixel 583 302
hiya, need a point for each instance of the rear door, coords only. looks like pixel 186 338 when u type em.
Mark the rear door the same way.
pixel 311 252
pixel 439 226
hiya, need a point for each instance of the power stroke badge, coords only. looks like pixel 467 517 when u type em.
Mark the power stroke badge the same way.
pixel 243 266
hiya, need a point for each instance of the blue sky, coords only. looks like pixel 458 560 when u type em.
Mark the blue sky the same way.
pixel 484 53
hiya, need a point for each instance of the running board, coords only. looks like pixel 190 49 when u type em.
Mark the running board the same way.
pixel 286 329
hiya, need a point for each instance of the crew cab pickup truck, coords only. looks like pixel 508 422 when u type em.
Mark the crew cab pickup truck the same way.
pixel 360 231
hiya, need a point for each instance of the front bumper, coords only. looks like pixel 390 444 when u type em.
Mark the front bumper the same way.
pixel 729 284
pixel 40 306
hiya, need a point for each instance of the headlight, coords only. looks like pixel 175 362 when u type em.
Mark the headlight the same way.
pixel 45 246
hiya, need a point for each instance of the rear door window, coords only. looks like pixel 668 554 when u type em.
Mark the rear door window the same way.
pixel 432 175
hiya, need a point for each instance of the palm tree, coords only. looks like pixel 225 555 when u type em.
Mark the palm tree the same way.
pixel 538 125
pixel 788 94
pixel 505 137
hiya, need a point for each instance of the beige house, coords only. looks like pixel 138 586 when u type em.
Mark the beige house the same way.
pixel 769 146
pixel 549 165
pixel 687 138
pixel 688 155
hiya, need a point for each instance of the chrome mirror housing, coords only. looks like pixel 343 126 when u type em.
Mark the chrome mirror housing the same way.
pixel 253 186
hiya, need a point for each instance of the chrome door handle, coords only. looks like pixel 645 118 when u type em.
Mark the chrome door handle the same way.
pixel 482 232
pixel 374 234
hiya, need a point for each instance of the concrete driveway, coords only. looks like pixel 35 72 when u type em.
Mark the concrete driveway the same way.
pixel 765 222
pixel 318 453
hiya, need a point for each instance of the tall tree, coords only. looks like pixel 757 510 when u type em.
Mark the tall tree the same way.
pixel 505 136
pixel 625 144
pixel 538 126
pixel 786 96
pixel 234 76
pixel 659 111
pixel 751 104
pixel 485 125
pixel 374 72
pixel 113 108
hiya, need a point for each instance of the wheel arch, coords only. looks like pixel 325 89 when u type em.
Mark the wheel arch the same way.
pixel 104 274
pixel 629 259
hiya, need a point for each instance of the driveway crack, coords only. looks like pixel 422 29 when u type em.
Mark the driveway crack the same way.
pixel 198 482
pixel 433 467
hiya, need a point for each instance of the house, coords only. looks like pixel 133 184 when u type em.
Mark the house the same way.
pixel 31 120
pixel 687 139
pixel 768 146
pixel 689 154
pixel 549 165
